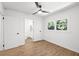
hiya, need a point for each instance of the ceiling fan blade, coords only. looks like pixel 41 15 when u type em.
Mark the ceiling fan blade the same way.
pixel 35 12
pixel 44 11
pixel 37 5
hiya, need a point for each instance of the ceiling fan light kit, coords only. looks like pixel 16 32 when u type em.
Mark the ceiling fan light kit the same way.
pixel 42 13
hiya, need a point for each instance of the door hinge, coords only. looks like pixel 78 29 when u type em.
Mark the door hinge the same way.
pixel 3 18
pixel 3 45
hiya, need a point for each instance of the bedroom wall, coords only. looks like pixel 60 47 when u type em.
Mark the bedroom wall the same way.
pixel 68 38
pixel 1 9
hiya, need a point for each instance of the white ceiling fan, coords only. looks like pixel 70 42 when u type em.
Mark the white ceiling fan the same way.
pixel 40 9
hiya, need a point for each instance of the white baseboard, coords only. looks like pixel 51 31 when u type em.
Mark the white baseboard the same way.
pixel 38 39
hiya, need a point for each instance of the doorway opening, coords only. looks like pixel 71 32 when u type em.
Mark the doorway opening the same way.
pixel 29 30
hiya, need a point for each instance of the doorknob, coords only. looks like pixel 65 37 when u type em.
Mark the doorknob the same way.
pixel 17 33
pixel 40 30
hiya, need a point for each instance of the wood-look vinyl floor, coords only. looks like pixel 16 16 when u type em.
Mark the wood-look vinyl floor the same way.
pixel 38 48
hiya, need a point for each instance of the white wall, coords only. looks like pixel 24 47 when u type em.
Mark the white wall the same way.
pixel 70 38
pixel 1 9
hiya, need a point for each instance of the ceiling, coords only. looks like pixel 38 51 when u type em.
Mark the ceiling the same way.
pixel 30 7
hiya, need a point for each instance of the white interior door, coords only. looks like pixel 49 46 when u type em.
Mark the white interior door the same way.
pixel 13 32
pixel 37 30
pixel 1 33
